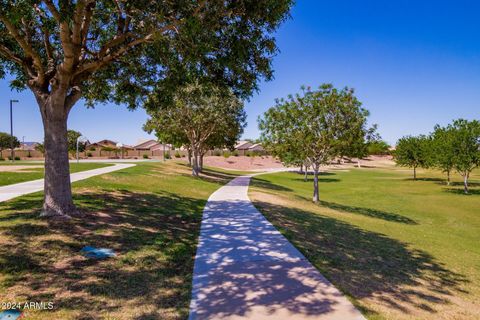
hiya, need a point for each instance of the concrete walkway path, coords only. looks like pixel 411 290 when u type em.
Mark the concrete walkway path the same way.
pixel 245 269
pixel 19 189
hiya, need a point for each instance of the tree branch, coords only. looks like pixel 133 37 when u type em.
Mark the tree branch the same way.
pixel 4 51
pixel 27 48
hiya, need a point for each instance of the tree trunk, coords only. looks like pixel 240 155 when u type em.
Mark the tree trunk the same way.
pixel 200 162
pixel 189 155
pixel 301 168
pixel 195 169
pixel 358 163
pixel 306 174
pixel 448 177
pixel 414 173
pixel 315 183
pixel 57 187
pixel 465 183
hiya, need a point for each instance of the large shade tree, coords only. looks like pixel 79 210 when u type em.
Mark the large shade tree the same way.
pixel 120 51
pixel 206 115
pixel 314 124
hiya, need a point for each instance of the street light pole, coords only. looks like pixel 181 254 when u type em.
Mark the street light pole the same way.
pixel 12 153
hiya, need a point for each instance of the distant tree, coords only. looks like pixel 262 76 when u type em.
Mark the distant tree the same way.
pixel 6 142
pixel 355 144
pixel 207 115
pixel 121 51
pixel 413 152
pixel 72 137
pixel 443 140
pixel 466 147
pixel 378 147
pixel 40 147
pixel 319 120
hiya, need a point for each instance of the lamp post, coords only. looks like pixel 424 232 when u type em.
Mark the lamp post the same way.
pixel 12 152
pixel 81 139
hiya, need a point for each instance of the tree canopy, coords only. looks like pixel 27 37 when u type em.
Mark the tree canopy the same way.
pixel 313 126
pixel 413 152
pixel 207 116
pixel 72 137
pixel 6 141
pixel 454 147
pixel 124 52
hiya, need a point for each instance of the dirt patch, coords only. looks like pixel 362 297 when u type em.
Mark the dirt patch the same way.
pixel 243 162
pixel 268 162
pixel 18 168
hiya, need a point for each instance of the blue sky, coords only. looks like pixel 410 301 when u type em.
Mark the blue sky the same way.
pixel 413 64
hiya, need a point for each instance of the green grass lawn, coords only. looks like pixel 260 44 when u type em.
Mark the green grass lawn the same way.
pixel 27 174
pixel 149 214
pixel 400 249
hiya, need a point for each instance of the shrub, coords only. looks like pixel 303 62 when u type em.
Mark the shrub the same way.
pixel 226 154
pixel 89 154
pixel 145 156
pixel 248 153
pixel 177 154
pixel 168 155
pixel 16 158
pixel 235 153
pixel 2 159
pixel 217 153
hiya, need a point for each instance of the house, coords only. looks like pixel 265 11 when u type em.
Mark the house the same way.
pixel 256 147
pixel 102 144
pixel 243 145
pixel 151 145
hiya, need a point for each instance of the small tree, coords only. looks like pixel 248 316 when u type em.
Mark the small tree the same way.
pixel 413 152
pixel 443 140
pixel 207 115
pixel 378 147
pixel 6 142
pixel 319 119
pixel 72 137
pixel 466 147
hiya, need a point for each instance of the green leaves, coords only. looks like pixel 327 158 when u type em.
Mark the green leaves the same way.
pixel 203 116
pixel 456 146
pixel 121 51
pixel 7 140
pixel 314 125
pixel 413 151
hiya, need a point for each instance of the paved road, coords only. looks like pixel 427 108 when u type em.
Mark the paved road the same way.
pixel 19 189
pixel 245 269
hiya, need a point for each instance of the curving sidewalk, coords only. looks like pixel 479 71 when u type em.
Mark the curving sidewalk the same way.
pixel 245 269
pixel 19 189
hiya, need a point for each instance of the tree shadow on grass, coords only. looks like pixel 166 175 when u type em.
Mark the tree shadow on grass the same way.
pixel 366 264
pixel 211 175
pixel 154 236
pixel 369 212
pixel 265 184
pixel 471 192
